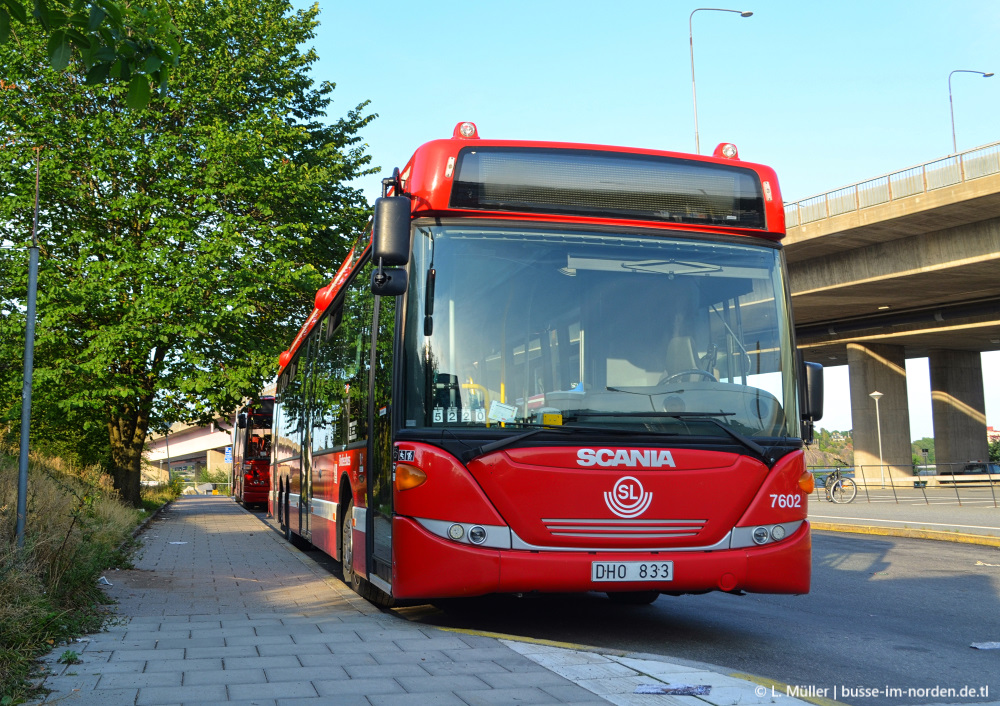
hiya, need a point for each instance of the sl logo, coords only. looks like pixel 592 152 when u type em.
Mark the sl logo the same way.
pixel 628 499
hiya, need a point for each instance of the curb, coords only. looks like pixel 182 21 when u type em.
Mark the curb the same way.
pixel 911 532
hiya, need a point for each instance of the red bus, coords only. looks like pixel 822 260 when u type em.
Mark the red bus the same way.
pixel 251 475
pixel 554 367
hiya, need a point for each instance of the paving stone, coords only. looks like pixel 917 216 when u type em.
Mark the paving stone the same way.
pixel 404 669
pixel 508 680
pixel 285 689
pixel 187 665
pixel 474 668
pixel 225 676
pixel 339 660
pixel 125 680
pixel 572 693
pixel 125 655
pixel 368 687
pixel 190 643
pixel 104 697
pixel 397 657
pixel 439 698
pixel 158 695
pixel 276 662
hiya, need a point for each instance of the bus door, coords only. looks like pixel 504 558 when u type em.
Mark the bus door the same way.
pixel 380 451
pixel 306 469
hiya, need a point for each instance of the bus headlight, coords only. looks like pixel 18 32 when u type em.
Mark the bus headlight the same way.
pixel 477 535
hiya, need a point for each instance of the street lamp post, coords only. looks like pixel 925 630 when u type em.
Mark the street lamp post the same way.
pixel 29 358
pixel 878 423
pixel 694 90
pixel 951 104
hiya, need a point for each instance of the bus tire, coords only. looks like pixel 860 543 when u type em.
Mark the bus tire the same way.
pixel 633 597
pixel 347 548
pixel 359 585
pixel 280 502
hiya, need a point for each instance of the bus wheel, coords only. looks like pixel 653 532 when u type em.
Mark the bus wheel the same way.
pixel 358 584
pixel 633 597
pixel 347 548
pixel 281 502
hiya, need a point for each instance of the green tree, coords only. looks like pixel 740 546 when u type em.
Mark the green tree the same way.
pixel 917 448
pixel 181 244
pixel 995 451
pixel 125 42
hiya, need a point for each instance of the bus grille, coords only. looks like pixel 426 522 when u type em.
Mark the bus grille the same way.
pixel 624 529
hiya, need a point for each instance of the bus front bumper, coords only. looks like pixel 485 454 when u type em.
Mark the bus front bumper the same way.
pixel 428 566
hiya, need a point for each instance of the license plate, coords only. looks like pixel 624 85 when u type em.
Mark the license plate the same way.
pixel 625 571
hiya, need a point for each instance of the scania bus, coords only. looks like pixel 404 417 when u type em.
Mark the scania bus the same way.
pixel 554 367
pixel 251 474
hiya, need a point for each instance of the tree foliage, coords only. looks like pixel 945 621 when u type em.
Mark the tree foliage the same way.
pixel 132 44
pixel 181 244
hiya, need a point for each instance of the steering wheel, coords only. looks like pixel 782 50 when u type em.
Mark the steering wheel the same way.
pixel 693 371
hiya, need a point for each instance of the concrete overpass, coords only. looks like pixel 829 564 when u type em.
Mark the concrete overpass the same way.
pixel 191 448
pixel 904 266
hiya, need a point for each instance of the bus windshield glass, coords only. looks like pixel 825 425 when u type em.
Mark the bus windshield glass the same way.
pixel 511 327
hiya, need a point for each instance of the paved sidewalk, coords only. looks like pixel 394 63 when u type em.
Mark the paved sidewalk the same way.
pixel 220 609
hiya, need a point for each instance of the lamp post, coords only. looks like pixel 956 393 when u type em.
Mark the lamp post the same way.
pixel 29 362
pixel 878 423
pixel 951 104
pixel 694 90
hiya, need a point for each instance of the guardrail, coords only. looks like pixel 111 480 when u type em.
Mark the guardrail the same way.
pixel 954 169
pixel 939 483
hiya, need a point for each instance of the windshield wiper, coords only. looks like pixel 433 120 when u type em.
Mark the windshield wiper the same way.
pixel 701 416
pixel 710 417
pixel 507 441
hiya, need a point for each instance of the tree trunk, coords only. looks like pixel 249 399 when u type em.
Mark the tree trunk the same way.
pixel 127 437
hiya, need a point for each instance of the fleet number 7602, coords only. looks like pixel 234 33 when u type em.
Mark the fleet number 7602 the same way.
pixel 786 500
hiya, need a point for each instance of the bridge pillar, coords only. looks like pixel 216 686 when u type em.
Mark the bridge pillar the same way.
pixel 958 405
pixel 878 367
pixel 216 460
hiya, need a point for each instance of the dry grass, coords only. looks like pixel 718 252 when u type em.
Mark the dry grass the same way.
pixel 76 529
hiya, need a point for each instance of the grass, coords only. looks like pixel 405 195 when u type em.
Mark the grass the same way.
pixel 76 529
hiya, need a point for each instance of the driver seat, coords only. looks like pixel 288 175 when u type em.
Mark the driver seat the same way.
pixel 680 357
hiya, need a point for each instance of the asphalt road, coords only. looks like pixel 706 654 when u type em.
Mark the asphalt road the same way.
pixel 883 612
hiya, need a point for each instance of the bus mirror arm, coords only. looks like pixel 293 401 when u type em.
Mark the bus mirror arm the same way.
pixel 389 281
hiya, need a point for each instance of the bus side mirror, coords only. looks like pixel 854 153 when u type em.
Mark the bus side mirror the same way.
pixel 812 395
pixel 391 232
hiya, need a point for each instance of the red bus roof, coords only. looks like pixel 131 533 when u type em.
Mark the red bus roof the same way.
pixel 427 180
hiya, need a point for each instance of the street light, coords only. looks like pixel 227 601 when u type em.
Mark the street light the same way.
pixel 951 105
pixel 694 91
pixel 878 422
pixel 29 362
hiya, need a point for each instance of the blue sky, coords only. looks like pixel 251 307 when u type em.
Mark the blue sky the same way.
pixel 828 94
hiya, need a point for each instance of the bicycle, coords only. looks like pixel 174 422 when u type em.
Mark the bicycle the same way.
pixel 839 488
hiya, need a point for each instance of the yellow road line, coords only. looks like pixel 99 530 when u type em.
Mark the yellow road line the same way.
pixel 908 532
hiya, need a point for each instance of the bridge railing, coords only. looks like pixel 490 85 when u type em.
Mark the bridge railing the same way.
pixel 922 178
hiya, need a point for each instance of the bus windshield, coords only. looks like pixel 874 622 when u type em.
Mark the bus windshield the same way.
pixel 508 327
